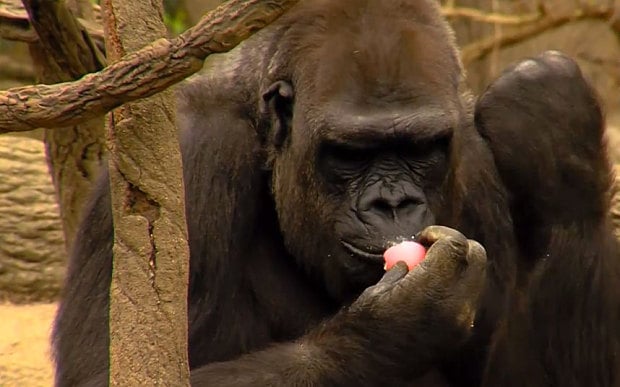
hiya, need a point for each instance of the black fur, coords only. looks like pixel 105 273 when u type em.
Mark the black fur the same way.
pixel 562 328
pixel 336 130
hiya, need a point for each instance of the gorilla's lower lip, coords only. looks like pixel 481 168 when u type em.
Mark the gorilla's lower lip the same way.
pixel 361 253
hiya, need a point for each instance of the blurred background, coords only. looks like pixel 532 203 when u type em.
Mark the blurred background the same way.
pixel 491 33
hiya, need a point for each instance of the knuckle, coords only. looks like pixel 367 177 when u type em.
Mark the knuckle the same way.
pixel 442 253
pixel 476 253
pixel 458 246
pixel 559 61
pixel 436 233
pixel 528 67
pixel 531 70
pixel 547 66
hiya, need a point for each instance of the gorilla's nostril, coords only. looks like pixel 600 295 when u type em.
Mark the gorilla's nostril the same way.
pixel 408 203
pixel 382 205
pixel 392 208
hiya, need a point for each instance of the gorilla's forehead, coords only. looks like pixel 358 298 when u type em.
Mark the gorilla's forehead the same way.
pixel 375 55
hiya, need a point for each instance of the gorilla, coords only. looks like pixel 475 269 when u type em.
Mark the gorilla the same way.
pixel 344 127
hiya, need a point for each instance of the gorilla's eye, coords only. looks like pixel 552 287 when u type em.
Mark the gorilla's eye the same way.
pixel 442 143
pixel 339 163
pixel 347 156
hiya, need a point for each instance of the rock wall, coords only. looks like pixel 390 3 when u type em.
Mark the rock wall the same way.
pixel 32 250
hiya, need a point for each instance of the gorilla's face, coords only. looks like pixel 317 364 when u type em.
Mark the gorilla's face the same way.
pixel 381 192
pixel 361 149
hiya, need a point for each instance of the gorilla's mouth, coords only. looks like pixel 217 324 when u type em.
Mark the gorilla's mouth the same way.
pixel 373 256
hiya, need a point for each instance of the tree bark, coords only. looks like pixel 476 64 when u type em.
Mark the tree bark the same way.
pixel 32 255
pixel 141 74
pixel 64 52
pixel 148 294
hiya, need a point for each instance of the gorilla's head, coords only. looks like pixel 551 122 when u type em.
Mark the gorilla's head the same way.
pixel 362 102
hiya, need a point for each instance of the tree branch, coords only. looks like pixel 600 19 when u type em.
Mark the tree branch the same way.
pixel 64 104
pixel 15 24
pixel 489 17
pixel 63 38
pixel 483 47
pixel 65 52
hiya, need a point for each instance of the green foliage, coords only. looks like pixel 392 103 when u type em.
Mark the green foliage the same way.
pixel 175 16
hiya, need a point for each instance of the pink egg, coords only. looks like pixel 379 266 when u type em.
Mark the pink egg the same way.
pixel 411 253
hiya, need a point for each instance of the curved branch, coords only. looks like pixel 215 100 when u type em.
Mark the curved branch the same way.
pixel 138 75
pixel 489 17
pixel 63 38
pixel 481 48
pixel 15 23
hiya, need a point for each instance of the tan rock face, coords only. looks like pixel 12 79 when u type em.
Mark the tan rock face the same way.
pixel 32 250
pixel 25 358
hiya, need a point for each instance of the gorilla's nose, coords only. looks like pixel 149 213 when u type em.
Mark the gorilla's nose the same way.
pixel 395 208
pixel 391 211
pixel 395 204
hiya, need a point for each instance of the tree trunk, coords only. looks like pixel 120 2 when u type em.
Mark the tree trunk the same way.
pixel 148 293
pixel 32 253
pixel 73 153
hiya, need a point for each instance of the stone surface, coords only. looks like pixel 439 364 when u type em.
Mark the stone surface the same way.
pixel 32 250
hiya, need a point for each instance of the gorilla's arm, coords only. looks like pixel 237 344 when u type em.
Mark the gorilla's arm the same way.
pixel 544 126
pixel 365 342
pixel 397 329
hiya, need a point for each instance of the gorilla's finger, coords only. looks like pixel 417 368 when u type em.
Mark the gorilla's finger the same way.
pixel 432 234
pixel 445 259
pixel 391 277
pixel 395 274
pixel 473 282
pixel 443 264
pixel 445 243
pixel 476 254
pixel 476 269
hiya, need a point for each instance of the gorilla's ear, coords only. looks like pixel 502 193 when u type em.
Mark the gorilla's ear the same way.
pixel 278 108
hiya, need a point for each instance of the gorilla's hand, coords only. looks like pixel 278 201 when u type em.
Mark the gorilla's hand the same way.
pixel 542 121
pixel 408 320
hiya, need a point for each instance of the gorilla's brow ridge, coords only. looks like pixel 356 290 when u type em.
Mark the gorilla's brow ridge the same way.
pixel 365 129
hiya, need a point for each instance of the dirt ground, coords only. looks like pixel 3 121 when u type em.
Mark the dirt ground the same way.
pixel 24 345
